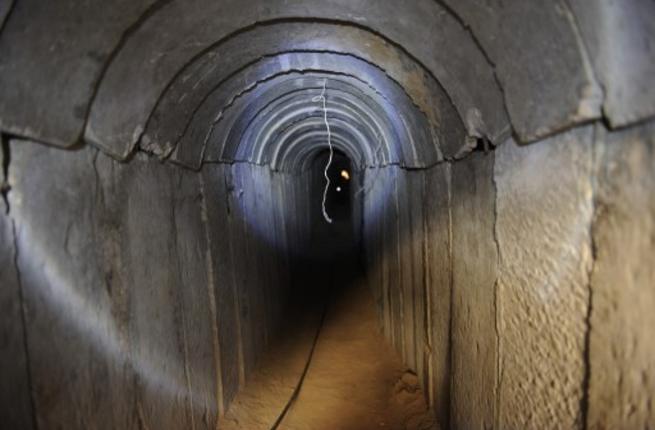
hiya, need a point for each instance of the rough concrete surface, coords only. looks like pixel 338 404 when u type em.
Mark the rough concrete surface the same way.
pixel 544 212
pixel 475 260
pixel 255 55
pixel 74 343
pixel 619 38
pixel 438 283
pixel 149 60
pixel 98 309
pixel 16 411
pixel 52 55
pixel 5 8
pixel 542 96
pixel 622 345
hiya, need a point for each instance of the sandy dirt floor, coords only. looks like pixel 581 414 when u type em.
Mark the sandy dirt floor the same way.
pixel 356 381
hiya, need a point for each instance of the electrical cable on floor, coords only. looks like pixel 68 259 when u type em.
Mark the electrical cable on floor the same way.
pixel 296 390
pixel 322 98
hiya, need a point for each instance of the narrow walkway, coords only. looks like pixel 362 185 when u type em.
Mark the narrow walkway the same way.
pixel 356 381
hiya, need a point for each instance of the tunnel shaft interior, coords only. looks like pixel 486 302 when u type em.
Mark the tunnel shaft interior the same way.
pixel 327 214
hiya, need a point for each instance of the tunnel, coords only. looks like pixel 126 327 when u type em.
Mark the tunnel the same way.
pixel 327 214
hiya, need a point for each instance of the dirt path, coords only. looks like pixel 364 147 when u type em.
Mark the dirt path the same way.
pixel 356 380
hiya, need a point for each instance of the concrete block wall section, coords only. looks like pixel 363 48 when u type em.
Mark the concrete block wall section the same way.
pixel 411 247
pixel 536 285
pixel 621 346
pixel 15 389
pixel 438 248
pixel 114 341
pixel 86 42
pixel 543 223
pixel 474 351
pixel 5 7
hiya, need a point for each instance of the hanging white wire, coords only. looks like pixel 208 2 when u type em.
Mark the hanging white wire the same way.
pixel 322 98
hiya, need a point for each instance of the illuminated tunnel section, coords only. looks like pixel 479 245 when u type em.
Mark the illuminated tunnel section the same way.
pixel 163 242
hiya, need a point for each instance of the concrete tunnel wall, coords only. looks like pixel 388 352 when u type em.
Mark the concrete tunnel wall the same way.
pixel 156 159
pixel 122 291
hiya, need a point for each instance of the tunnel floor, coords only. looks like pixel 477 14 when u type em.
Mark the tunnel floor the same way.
pixel 354 379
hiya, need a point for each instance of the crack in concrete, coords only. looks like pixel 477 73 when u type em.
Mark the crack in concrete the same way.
pixel 23 316
pixel 303 72
pixel 586 60
pixel 303 20
pixel 396 164
pixel 98 191
pixel 127 34
pixel 427 297
pixel 451 275
pixel 586 63
pixel 179 314
pixel 5 187
pixel 308 70
pixel 492 64
pixel 10 11
pixel 211 282
pixel 596 211
pixel 497 304
pixel 136 141
pixel 142 421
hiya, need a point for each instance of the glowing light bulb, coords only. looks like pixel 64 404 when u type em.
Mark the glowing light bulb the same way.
pixel 338 189
pixel 345 175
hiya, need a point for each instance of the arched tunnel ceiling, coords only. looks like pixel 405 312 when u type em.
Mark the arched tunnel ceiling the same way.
pixel 128 72
pixel 260 50
pixel 258 124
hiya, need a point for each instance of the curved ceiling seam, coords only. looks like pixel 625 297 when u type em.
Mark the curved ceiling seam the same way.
pixel 381 166
pixel 257 23
pixel 272 23
pixel 246 129
pixel 297 160
pixel 469 29
pixel 583 51
pixel 411 144
pixel 307 72
pixel 375 157
pixel 360 135
pixel 256 116
pixel 308 135
pixel 510 129
pixel 125 36
pixel 283 135
pixel 289 20
pixel 369 119
pixel 280 151
pixel 269 78
pixel 393 152
pixel 288 142
pixel 317 141
pixel 269 104
pixel 284 165
pixel 331 52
